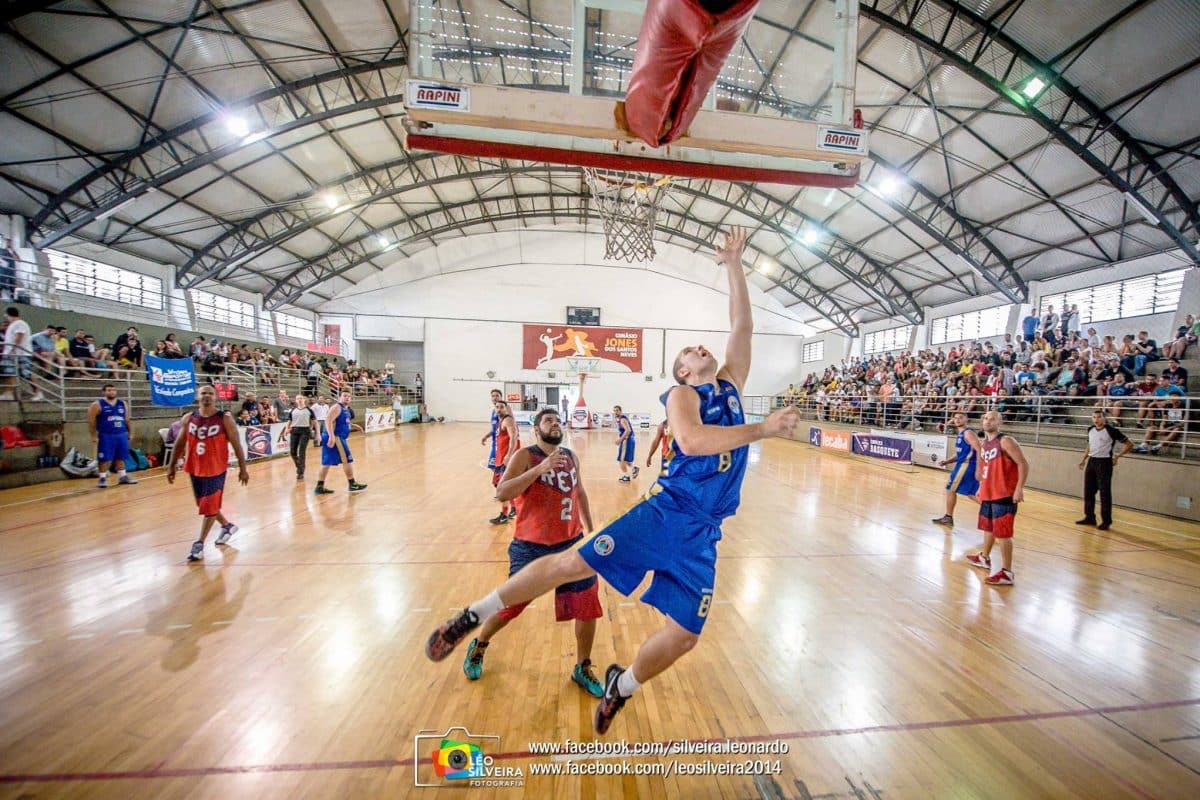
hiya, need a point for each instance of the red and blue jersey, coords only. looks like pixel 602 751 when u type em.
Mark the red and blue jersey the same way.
pixel 207 445
pixel 548 510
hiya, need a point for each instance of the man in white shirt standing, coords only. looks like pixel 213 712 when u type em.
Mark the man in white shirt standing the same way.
pixel 16 361
pixel 320 410
pixel 1097 466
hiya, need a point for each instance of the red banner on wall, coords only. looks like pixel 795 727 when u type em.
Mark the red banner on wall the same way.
pixel 549 346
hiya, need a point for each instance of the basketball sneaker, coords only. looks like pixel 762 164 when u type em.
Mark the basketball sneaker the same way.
pixel 102 483
pixel 635 472
pixel 980 560
pixel 197 552
pixel 586 678
pixel 944 519
pixel 610 702
pixel 321 489
pixel 512 514
pixel 499 519
pixel 1002 578
pixel 449 634
pixel 227 532
pixel 128 481
pixel 355 486
pixel 473 663
pixel 624 479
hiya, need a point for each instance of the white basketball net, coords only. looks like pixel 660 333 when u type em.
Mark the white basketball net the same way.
pixel 628 203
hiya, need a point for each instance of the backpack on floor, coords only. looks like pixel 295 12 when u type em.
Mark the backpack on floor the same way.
pixel 76 465
pixel 138 457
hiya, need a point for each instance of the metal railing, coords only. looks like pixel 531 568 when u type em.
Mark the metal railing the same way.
pixel 46 389
pixel 1042 419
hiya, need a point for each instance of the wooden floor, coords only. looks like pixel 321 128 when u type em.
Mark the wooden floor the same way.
pixel 845 626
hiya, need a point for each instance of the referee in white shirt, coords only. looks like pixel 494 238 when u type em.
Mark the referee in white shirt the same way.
pixel 1097 466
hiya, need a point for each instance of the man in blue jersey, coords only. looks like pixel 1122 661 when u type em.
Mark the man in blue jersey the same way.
pixel 335 449
pixel 505 514
pixel 108 420
pixel 625 445
pixel 962 476
pixel 673 531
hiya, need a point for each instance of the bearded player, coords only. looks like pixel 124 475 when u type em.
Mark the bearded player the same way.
pixel 544 480
pixel 673 531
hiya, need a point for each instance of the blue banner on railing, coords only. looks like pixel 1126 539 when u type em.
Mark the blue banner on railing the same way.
pixel 886 448
pixel 172 381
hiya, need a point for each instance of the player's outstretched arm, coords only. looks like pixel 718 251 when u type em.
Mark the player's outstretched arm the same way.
pixel 741 319
pixel 694 438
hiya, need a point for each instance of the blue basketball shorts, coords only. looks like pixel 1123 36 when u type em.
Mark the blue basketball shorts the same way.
pixel 680 549
pixel 335 450
pixel 112 447
pixel 625 449
pixel 962 480
pixel 574 600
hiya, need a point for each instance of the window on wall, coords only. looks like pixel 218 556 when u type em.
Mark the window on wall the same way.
pixel 83 276
pixel 293 326
pixel 813 351
pixel 888 340
pixel 969 326
pixel 1135 297
pixel 226 310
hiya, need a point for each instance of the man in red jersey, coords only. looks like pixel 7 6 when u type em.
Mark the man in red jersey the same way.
pixel 207 435
pixel 508 440
pixel 1001 469
pixel 544 480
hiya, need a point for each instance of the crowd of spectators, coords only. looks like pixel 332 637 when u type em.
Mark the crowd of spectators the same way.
pixel 56 350
pixel 1042 374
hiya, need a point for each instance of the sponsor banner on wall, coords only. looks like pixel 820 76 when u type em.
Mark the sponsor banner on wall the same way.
pixel 172 381
pixel 523 418
pixel 261 441
pixel 885 448
pixel 639 420
pixel 551 346
pixel 405 412
pixel 838 441
pixel 380 419
pixel 929 450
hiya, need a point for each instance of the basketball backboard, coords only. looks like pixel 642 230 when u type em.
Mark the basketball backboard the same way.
pixel 488 81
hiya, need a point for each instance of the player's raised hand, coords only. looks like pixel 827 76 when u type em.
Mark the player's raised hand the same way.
pixel 732 243
pixel 782 422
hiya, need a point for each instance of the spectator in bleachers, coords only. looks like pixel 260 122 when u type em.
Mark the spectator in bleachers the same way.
pixel 1185 337
pixel 8 271
pixel 1155 395
pixel 1108 346
pixel 245 418
pixel 1070 320
pixel 1114 391
pixel 1169 425
pixel 1145 350
pixel 1050 322
pixel 1030 324
pixel 283 405
pixel 199 349
pixel 1177 374
pixel 44 350
pixel 15 361
pixel 313 377
pixel 266 412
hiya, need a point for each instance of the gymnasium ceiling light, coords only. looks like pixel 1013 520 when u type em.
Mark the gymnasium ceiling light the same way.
pixel 1032 87
pixel 383 240
pixel 237 126
pixel 330 200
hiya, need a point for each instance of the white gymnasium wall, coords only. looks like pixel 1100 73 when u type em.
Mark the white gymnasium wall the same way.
pixel 474 295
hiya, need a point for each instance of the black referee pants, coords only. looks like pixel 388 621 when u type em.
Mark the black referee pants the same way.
pixel 1098 476
pixel 299 446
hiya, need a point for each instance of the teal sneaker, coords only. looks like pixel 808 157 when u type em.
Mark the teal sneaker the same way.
pixel 584 677
pixel 473 663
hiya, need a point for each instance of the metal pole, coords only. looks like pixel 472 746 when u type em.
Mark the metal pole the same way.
pixel 845 60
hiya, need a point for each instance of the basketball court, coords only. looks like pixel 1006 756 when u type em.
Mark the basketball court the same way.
pixel 527 197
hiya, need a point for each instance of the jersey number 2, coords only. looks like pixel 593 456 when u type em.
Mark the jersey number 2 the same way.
pixel 568 505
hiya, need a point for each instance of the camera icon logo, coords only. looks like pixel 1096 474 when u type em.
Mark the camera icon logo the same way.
pixel 454 754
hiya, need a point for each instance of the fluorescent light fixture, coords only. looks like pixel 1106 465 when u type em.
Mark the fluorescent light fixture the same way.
pixel 330 200
pixel 1149 215
pixel 237 126
pixel 810 236
pixel 889 186
pixel 106 214
pixel 1033 87
pixel 383 240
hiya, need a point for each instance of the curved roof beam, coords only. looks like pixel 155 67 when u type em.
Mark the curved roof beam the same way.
pixel 203 140
pixel 996 60
pixel 561 204
pixel 272 227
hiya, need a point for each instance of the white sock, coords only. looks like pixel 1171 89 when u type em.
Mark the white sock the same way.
pixel 627 684
pixel 121 474
pixel 492 604
pixel 103 476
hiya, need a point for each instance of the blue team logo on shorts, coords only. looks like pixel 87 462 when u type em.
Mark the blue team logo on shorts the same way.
pixel 603 545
